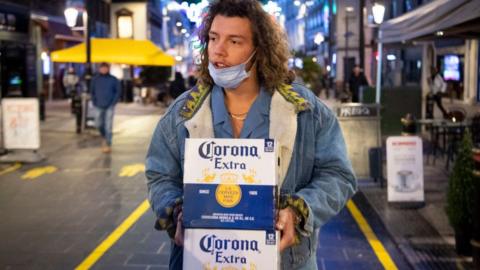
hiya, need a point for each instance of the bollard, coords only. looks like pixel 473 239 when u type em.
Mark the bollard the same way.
pixel 77 110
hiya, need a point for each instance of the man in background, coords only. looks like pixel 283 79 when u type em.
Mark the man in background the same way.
pixel 105 90
pixel 437 88
pixel 356 82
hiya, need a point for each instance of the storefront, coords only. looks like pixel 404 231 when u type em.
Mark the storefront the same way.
pixel 449 32
pixel 17 53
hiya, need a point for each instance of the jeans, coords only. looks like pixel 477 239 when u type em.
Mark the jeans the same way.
pixel 104 122
pixel 176 257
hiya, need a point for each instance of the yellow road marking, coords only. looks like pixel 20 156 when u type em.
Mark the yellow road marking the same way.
pixel 372 239
pixel 131 170
pixel 37 172
pixel 98 252
pixel 12 168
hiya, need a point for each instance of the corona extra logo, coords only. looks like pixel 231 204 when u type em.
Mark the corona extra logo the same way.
pixel 210 243
pixel 210 150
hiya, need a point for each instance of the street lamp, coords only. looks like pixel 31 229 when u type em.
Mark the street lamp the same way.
pixel 378 11
pixel 124 23
pixel 71 18
pixel 318 39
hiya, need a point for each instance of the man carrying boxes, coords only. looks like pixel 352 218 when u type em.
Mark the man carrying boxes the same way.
pixel 245 91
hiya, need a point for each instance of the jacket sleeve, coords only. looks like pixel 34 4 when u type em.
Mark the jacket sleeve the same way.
pixel 333 181
pixel 93 91
pixel 164 176
pixel 118 91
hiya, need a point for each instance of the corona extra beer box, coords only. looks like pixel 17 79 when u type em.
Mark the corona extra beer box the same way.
pixel 210 249
pixel 230 184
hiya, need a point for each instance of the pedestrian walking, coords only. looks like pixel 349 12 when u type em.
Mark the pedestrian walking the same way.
pixel 245 90
pixel 357 81
pixel 177 87
pixel 105 91
pixel 437 89
pixel 70 82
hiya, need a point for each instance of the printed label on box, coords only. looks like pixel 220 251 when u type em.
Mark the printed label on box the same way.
pixel 231 249
pixel 230 183
pixel 230 161
pixel 229 206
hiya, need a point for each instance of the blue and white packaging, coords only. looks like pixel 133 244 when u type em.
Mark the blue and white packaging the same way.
pixel 210 249
pixel 230 183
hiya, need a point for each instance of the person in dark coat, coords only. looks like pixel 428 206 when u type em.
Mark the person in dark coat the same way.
pixel 357 80
pixel 177 87
pixel 105 90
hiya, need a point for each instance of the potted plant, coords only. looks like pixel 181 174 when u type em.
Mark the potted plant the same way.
pixel 460 196
pixel 476 214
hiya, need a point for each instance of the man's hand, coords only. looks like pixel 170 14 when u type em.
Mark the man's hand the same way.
pixel 178 239
pixel 286 224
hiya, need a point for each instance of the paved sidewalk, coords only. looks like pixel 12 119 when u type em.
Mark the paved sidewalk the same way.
pixel 423 235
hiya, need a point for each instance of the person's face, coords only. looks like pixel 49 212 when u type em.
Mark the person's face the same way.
pixel 230 41
pixel 356 71
pixel 104 70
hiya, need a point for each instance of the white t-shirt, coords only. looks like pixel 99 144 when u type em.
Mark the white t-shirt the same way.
pixel 438 85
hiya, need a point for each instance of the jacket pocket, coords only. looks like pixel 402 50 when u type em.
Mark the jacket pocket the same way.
pixel 301 252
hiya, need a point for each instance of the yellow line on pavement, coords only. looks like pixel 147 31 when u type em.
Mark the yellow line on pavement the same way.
pixel 12 168
pixel 372 239
pixel 98 252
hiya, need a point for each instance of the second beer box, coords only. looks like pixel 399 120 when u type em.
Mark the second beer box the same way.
pixel 231 249
pixel 230 183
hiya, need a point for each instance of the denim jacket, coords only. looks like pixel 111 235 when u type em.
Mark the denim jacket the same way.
pixel 314 163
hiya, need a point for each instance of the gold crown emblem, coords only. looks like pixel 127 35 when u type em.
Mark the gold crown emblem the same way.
pixel 229 178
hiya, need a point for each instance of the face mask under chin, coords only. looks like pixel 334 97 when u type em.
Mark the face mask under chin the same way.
pixel 230 77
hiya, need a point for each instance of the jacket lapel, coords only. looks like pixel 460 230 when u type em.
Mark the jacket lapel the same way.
pixel 201 123
pixel 283 129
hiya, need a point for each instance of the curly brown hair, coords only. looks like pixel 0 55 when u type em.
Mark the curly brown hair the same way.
pixel 269 39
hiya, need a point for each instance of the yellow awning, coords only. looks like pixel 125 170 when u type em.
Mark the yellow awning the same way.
pixel 119 51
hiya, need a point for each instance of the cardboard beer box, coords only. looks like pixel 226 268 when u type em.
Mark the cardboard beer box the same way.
pixel 230 183
pixel 210 249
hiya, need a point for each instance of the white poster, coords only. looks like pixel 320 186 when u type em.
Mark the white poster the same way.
pixel 21 123
pixel 405 169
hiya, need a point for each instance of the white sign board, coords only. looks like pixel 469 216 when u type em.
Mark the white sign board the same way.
pixel 21 123
pixel 405 169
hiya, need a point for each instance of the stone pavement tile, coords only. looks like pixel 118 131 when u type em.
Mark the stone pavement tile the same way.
pixel 357 265
pixel 392 247
pixel 38 260
pixel 122 267
pixel 148 259
pixel 110 258
pixel 331 253
pixel 354 254
pixel 158 268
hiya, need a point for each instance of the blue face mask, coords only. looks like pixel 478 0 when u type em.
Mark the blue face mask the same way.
pixel 231 77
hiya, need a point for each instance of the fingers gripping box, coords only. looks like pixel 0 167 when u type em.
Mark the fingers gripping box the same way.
pixel 230 183
pixel 210 249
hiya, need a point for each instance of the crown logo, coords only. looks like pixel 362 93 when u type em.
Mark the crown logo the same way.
pixel 229 178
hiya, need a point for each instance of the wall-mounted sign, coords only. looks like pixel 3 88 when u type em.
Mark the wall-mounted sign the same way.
pixel 358 110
